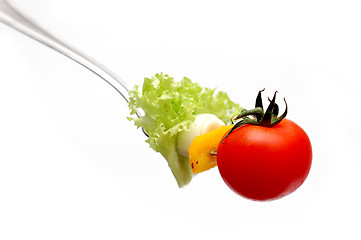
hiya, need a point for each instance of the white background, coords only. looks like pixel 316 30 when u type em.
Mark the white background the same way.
pixel 73 167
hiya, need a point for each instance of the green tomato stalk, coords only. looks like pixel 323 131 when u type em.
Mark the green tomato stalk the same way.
pixel 257 116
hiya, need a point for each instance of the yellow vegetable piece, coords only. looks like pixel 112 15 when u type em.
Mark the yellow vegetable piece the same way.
pixel 203 150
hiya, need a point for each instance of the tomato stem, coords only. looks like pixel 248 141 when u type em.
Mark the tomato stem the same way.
pixel 257 116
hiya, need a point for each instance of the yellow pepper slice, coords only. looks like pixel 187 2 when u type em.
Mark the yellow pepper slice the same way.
pixel 203 150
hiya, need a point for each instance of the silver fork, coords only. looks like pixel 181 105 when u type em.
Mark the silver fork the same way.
pixel 16 20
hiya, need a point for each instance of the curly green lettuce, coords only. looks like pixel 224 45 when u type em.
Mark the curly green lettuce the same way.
pixel 170 107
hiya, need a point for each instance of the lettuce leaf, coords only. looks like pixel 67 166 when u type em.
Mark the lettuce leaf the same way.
pixel 170 107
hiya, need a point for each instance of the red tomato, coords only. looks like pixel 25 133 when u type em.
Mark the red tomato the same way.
pixel 265 163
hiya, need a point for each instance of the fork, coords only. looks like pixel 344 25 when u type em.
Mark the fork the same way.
pixel 18 21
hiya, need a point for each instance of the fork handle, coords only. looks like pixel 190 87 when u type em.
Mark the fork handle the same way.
pixel 16 20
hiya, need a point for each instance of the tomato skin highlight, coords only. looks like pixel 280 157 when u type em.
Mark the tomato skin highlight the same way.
pixel 265 163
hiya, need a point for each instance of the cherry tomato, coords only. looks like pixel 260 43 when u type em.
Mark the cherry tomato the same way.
pixel 265 163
